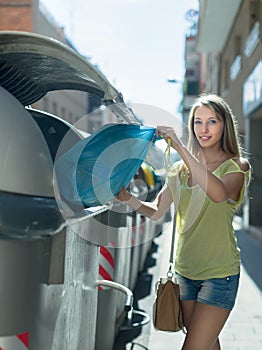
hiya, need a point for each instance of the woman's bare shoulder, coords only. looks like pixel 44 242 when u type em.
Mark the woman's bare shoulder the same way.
pixel 243 163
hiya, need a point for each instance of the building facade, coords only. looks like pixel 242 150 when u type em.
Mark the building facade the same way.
pixel 230 45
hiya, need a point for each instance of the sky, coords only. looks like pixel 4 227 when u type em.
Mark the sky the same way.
pixel 137 44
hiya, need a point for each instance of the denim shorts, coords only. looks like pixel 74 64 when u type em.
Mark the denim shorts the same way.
pixel 219 292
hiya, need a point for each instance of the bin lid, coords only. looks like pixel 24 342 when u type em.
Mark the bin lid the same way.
pixel 32 65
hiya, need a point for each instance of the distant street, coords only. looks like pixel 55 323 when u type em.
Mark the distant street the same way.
pixel 251 256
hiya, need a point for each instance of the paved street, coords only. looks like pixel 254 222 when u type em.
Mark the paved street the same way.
pixel 243 330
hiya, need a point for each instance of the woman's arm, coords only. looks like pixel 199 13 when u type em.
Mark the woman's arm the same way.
pixel 154 210
pixel 217 190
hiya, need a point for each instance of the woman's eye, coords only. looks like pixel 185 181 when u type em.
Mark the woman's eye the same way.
pixel 197 122
pixel 212 121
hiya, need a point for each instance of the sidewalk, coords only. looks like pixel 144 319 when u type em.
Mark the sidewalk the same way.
pixel 243 330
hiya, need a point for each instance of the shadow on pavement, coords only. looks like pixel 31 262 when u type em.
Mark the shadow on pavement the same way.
pixel 251 256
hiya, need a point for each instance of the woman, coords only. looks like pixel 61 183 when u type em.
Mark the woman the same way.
pixel 207 186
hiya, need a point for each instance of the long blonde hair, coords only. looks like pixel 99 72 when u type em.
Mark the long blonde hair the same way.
pixel 230 142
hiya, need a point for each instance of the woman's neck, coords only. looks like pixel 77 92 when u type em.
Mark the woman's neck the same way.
pixel 213 156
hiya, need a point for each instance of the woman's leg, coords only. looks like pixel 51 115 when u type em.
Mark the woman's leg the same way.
pixel 217 345
pixel 188 309
pixel 204 323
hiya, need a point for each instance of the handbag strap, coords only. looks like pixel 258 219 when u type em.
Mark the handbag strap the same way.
pixel 171 256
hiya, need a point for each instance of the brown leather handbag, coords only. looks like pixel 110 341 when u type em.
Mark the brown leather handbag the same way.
pixel 167 311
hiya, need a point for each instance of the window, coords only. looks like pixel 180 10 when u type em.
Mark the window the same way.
pixel 226 74
pixel 252 39
pixel 237 62
pixel 192 88
pixel 235 67
pixel 254 11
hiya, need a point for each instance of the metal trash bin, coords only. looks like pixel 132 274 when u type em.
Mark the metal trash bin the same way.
pixel 69 297
pixel 28 211
pixel 110 302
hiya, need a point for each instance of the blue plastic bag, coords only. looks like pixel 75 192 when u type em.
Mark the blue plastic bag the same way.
pixel 94 170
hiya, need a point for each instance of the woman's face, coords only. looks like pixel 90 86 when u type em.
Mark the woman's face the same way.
pixel 207 127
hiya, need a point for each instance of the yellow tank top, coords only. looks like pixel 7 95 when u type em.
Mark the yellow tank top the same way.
pixel 207 245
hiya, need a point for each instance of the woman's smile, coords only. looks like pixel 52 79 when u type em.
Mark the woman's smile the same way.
pixel 205 138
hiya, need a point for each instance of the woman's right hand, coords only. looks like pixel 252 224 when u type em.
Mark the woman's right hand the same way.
pixel 166 133
pixel 123 195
